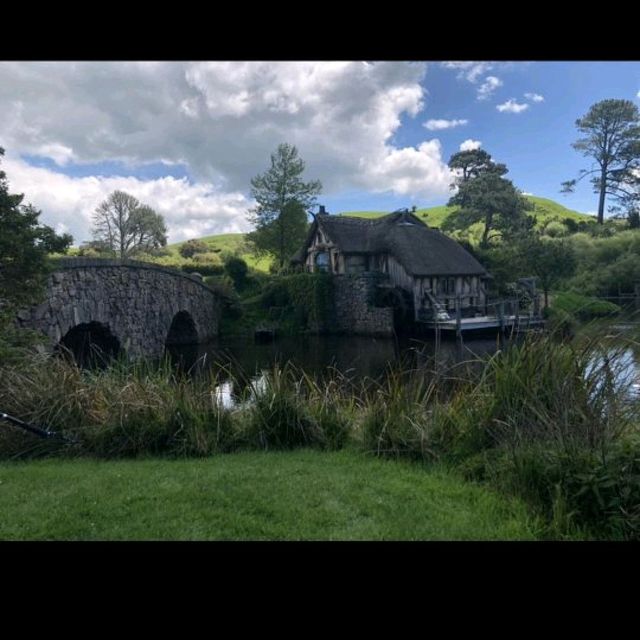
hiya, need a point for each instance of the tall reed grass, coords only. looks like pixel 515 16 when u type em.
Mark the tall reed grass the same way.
pixel 550 420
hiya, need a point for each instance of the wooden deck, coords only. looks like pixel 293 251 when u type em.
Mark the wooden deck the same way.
pixel 506 323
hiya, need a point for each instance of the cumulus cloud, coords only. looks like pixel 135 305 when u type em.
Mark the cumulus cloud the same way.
pixel 534 97
pixel 470 145
pixel 67 203
pixel 438 125
pixel 486 89
pixel 470 71
pixel 511 106
pixel 222 120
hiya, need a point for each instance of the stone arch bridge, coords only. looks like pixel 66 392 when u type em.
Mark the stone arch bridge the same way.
pixel 124 305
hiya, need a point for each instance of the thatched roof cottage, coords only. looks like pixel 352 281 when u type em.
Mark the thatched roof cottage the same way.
pixel 435 270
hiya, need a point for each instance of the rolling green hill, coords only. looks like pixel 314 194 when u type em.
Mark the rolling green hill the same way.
pixel 544 210
pixel 224 242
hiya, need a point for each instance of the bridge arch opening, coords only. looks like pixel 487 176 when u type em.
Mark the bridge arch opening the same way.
pixel 182 330
pixel 91 344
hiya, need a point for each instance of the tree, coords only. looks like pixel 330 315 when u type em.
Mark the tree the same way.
pixel 472 163
pixel 283 199
pixel 237 269
pixel 493 200
pixel 24 248
pixel 612 139
pixel 283 235
pixel 548 260
pixel 126 226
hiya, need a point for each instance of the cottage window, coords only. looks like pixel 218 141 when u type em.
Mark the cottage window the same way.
pixel 356 264
pixel 322 261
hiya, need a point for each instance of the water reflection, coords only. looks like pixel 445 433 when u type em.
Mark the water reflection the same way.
pixel 241 364
pixel 354 356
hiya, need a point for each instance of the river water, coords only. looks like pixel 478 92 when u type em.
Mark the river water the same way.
pixel 356 357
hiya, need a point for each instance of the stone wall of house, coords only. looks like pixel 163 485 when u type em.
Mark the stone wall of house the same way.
pixel 137 302
pixel 354 308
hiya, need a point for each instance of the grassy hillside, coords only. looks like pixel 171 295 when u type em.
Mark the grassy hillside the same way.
pixel 225 242
pixel 544 210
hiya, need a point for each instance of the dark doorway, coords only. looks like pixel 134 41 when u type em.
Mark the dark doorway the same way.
pixel 182 330
pixel 401 302
pixel 182 341
pixel 91 344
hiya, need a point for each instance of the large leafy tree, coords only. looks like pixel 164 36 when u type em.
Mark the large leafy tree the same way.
pixel 472 163
pixel 494 201
pixel 549 260
pixel 283 198
pixel 611 131
pixel 125 226
pixel 24 247
pixel 284 235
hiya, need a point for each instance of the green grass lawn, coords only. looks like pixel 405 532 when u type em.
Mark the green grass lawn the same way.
pixel 302 495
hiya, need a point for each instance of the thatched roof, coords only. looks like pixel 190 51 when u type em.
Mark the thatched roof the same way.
pixel 421 251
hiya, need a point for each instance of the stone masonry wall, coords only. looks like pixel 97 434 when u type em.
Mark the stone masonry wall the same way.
pixel 136 300
pixel 354 310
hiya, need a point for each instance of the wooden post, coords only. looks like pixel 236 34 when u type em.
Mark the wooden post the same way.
pixel 517 314
pixel 501 315
pixel 458 318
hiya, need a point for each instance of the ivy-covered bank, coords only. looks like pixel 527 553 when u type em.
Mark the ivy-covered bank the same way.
pixel 290 304
pixel 313 303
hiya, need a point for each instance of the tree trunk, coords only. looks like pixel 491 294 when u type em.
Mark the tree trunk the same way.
pixel 603 189
pixel 546 298
pixel 281 225
pixel 487 229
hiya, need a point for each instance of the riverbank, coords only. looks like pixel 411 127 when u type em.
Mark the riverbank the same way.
pixel 302 495
pixel 551 422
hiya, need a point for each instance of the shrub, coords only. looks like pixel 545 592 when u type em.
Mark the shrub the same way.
pixel 236 268
pixel 203 268
pixel 191 247
pixel 583 307
pixel 210 259
pixel 555 229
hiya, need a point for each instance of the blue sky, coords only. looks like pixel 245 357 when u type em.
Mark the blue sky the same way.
pixel 187 137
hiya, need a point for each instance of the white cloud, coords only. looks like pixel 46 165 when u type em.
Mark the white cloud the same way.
pixel 470 145
pixel 486 89
pixel 220 119
pixel 511 106
pixel 68 203
pixel 406 168
pixel 534 97
pixel 437 125
pixel 470 71
pixel 638 94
